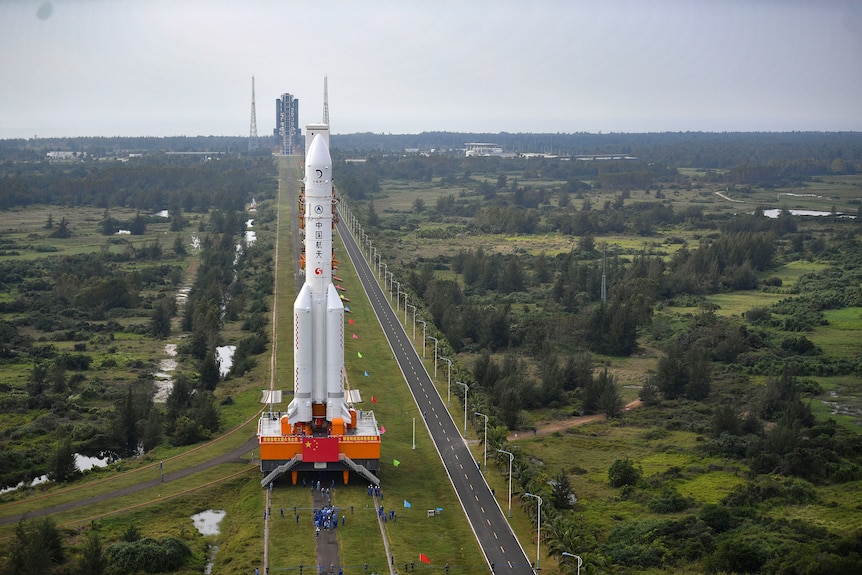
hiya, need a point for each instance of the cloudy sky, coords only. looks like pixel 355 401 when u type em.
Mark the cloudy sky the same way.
pixel 184 67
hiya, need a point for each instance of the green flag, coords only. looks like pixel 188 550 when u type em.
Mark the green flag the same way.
pixel 359 354
pixel 396 463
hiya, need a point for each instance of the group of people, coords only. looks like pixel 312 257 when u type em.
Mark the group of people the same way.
pixel 382 514
pixel 374 490
pixel 327 518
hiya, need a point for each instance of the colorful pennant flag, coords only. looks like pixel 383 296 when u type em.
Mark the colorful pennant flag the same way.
pixel 359 354
pixel 424 558
pixel 373 399
pixel 347 309
pixel 350 321
pixel 396 463
pixel 382 430
pixel 355 336
pixel 407 504
pixel 366 374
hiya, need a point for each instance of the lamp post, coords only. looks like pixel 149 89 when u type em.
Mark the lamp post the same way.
pixel 424 326
pixel 434 339
pixel 466 389
pixel 398 301
pixel 414 319
pixel 485 442
pixel 578 557
pixel 448 381
pixel 538 530
pixel 511 458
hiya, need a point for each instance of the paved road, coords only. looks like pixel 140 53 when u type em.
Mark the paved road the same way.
pixel 488 521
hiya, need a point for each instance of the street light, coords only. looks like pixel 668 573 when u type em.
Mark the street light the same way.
pixel 466 389
pixel 511 458
pixel 414 319
pixel 578 557
pixel 448 381
pixel 485 441
pixel 435 356
pixel 539 529
pixel 424 325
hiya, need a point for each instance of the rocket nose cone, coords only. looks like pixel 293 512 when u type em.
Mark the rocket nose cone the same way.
pixel 318 153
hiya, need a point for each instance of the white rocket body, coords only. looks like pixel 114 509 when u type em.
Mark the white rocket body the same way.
pixel 318 353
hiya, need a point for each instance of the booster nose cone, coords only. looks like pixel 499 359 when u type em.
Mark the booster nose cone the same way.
pixel 318 162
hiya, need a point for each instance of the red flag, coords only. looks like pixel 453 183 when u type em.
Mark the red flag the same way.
pixel 355 336
pixel 373 400
pixel 320 449
pixel 350 321
pixel 424 558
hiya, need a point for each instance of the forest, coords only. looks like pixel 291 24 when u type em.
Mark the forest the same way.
pixel 546 278
pixel 561 288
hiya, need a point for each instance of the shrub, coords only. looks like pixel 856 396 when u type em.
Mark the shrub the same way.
pixel 624 472
pixel 148 555
pixel 670 501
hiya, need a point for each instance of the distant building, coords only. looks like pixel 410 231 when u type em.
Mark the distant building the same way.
pixel 62 155
pixel 286 130
pixel 472 149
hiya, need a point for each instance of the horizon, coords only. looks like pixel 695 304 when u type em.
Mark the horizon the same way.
pixel 454 132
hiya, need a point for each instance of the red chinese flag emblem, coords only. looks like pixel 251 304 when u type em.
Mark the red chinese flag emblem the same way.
pixel 424 558
pixel 320 449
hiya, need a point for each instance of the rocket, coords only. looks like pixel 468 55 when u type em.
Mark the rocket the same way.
pixel 318 313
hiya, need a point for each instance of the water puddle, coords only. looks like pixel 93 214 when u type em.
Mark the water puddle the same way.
pixel 207 523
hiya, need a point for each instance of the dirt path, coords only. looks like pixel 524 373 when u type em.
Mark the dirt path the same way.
pixel 566 423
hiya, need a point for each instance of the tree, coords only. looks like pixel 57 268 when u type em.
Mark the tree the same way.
pixel 419 205
pixel 35 548
pixel 624 472
pixel 64 467
pixel 561 491
pixel 373 218
pixel 138 227
pixel 209 372
pixel 160 319
pixel 611 402
pixel 62 230
pixel 92 560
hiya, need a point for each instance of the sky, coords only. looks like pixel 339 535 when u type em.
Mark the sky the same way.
pixel 184 67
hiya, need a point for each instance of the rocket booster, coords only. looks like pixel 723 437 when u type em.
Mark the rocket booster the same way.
pixel 318 354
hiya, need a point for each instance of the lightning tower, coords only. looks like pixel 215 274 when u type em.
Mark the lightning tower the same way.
pixel 252 131
pixel 325 101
